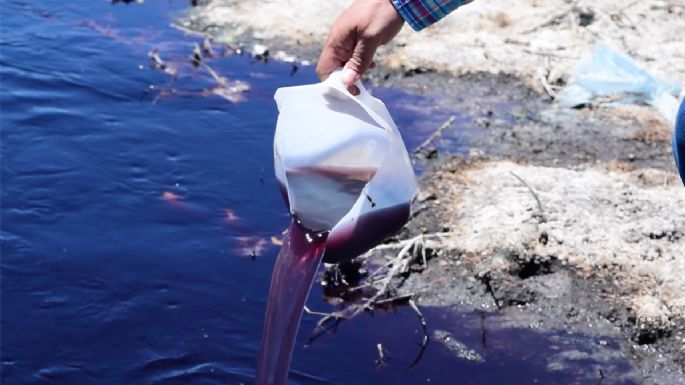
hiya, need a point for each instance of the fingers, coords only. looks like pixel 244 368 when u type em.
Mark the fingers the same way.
pixel 328 62
pixel 353 89
pixel 356 56
pixel 336 50
pixel 360 61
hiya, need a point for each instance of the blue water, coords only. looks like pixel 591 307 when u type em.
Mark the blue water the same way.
pixel 138 210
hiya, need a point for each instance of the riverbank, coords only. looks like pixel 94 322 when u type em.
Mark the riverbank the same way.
pixel 564 219
pixel 535 40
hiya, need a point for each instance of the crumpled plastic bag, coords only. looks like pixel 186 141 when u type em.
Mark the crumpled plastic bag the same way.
pixel 610 73
pixel 342 165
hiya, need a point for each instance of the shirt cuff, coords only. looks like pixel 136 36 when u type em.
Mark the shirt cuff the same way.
pixel 419 14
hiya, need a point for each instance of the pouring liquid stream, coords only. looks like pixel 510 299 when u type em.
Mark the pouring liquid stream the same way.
pixel 291 281
pixel 303 250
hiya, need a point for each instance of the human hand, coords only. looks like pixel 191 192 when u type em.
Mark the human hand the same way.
pixel 354 37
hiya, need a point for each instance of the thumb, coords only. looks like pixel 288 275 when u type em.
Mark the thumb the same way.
pixel 361 59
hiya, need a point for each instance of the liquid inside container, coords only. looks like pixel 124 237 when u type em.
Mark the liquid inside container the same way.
pixel 342 166
pixel 324 160
pixel 358 235
pixel 328 190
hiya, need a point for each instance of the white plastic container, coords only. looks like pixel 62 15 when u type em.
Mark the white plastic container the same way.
pixel 342 165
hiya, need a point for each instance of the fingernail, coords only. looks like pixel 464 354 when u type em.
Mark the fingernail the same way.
pixel 348 76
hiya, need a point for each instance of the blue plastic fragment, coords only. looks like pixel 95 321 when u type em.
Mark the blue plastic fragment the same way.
pixel 610 73
pixel 679 142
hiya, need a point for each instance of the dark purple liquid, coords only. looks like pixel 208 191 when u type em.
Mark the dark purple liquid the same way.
pixel 343 175
pixel 300 255
pixel 326 194
pixel 292 278
pixel 368 231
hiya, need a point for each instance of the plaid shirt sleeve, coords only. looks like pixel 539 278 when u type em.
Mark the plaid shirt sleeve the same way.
pixel 422 13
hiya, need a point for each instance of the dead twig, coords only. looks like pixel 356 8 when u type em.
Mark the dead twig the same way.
pixel 416 242
pixel 555 19
pixel 629 5
pixel 550 54
pixel 401 299
pixel 325 317
pixel 487 281
pixel 426 338
pixel 601 377
pixel 400 244
pixel 542 76
pixel 157 63
pixel 398 265
pixel 422 320
pixel 381 279
pixel 221 81
pixel 332 327
pixel 230 90
pixel 537 199
pixel 482 328
pixel 207 49
pixel 312 312
pixel 185 30
pixel 435 134
pixel 380 362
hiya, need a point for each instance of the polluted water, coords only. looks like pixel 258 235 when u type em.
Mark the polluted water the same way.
pixel 347 182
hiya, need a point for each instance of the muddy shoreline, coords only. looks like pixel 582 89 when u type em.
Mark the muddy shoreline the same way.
pixel 587 215
pixel 534 284
pixel 520 275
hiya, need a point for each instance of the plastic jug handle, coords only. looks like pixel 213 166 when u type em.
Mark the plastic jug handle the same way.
pixel 365 99
pixel 334 81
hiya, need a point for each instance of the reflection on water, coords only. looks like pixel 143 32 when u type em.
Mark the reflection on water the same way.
pixel 133 197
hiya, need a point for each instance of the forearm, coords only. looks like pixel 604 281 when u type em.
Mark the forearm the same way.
pixel 419 14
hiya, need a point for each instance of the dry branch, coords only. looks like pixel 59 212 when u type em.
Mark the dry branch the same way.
pixel 381 280
pixel 537 199
pixel 435 134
